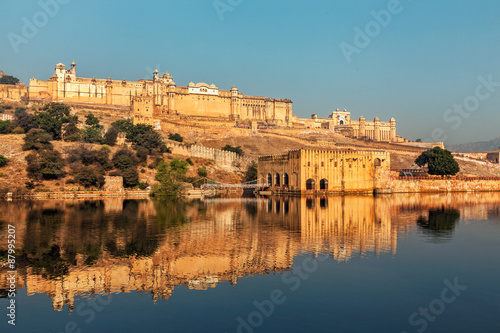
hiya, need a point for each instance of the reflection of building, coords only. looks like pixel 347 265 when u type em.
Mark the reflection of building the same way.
pixel 339 226
pixel 160 96
pixel 307 170
pixel 219 240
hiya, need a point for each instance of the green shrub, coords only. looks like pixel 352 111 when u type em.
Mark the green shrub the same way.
pixel 18 130
pixel 189 161
pixel 236 150
pixel 202 172
pixel 176 137
pixel 3 161
pixel 439 161
pixel 37 139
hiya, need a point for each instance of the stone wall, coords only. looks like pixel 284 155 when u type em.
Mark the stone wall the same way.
pixel 221 157
pixel 13 92
pixel 442 185
pixel 113 184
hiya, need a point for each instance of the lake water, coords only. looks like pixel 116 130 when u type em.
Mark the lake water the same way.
pixel 400 263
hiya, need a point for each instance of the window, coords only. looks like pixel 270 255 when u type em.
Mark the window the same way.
pixel 308 164
pixel 322 164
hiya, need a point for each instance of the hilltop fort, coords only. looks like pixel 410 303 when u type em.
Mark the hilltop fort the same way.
pixel 152 101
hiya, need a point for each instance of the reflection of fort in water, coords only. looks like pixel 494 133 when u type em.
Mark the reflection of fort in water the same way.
pixel 76 248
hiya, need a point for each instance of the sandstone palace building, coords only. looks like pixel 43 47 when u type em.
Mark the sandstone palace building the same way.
pixel 149 101
pixel 323 171
pixel 160 96
pixel 341 122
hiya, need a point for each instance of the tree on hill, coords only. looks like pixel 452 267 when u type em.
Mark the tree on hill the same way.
pixel 52 118
pixel 439 161
pixel 23 119
pixel 37 139
pixel 5 127
pixel 9 79
pixel 92 135
pixel 236 150
pixel 111 136
pixel 124 125
pixel 251 173
pixel 45 164
pixel 140 135
pixel 88 176
pixel 126 162
pixel 170 177
pixel 92 121
pixel 175 137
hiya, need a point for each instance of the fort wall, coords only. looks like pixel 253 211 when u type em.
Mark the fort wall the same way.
pixel 14 92
pixel 158 97
pixel 221 157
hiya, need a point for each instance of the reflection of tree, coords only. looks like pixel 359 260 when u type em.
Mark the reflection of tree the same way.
pixel 50 264
pixel 251 208
pixel 440 224
pixel 56 238
pixel 171 212
pixel 43 224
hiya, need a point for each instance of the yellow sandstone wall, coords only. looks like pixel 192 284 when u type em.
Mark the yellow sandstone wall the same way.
pixel 167 99
pixel 408 186
pixel 17 92
pixel 323 170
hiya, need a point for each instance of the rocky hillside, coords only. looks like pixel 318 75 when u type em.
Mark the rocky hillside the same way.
pixel 13 176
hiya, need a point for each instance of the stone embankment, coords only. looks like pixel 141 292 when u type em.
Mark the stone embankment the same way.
pixel 88 194
pixel 392 183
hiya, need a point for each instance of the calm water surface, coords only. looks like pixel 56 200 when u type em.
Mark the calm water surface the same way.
pixel 400 263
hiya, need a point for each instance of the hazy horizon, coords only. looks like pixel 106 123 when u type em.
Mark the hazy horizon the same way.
pixel 432 66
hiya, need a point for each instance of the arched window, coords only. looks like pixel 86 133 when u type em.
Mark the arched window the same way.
pixel 323 185
pixel 310 185
pixel 377 162
pixel 285 179
pixel 277 180
pixel 269 180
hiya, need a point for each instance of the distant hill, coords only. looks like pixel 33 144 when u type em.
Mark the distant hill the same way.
pixel 474 147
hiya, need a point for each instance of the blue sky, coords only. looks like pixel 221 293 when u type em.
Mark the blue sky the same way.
pixel 416 65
